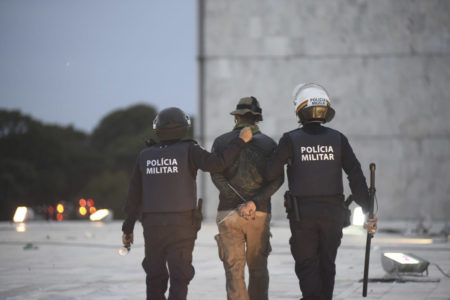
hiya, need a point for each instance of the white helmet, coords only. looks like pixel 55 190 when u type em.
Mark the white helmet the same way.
pixel 312 103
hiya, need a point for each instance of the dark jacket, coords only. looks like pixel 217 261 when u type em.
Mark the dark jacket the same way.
pixel 246 173
pixel 199 158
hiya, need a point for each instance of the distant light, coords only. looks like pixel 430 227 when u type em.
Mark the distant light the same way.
pixel 358 217
pixel 60 208
pixel 90 202
pixel 51 210
pixel 82 202
pixel 82 210
pixel 398 262
pixel 59 217
pixel 101 215
pixel 21 227
pixel 20 214
pixel 23 214
pixel 92 209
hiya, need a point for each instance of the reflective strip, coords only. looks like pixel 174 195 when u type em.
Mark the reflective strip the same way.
pixel 303 104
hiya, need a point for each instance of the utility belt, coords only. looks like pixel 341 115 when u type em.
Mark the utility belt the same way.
pixel 183 218
pixel 292 204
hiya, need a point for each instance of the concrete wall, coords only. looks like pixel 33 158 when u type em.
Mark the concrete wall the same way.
pixel 386 65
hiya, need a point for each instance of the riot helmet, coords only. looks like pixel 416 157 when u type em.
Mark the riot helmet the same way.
pixel 171 124
pixel 312 103
pixel 248 105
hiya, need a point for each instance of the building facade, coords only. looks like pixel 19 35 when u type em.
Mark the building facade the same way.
pixel 385 64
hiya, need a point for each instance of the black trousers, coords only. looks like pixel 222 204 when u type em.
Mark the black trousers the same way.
pixel 314 243
pixel 168 250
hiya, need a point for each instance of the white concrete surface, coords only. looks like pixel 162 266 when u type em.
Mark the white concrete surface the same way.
pixel 79 260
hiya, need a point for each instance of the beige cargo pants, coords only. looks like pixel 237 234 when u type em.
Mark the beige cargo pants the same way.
pixel 243 241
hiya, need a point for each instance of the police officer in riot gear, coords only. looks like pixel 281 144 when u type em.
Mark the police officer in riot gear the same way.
pixel 163 189
pixel 316 156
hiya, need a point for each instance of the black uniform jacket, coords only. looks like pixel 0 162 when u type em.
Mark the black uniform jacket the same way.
pixel 246 174
pixel 350 164
pixel 199 158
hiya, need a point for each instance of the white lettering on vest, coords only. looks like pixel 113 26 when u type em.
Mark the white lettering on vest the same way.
pixel 316 153
pixel 161 166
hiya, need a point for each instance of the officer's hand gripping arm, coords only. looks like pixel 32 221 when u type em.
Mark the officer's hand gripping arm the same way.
pixel 246 134
pixel 216 162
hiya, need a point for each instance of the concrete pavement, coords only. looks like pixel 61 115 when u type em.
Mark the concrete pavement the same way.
pixel 79 260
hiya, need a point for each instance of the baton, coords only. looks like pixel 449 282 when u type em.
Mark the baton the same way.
pixel 369 235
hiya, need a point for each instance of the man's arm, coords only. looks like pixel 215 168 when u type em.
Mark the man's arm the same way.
pixel 217 162
pixel 357 181
pixel 269 188
pixel 221 183
pixel 219 180
pixel 275 164
pixel 134 200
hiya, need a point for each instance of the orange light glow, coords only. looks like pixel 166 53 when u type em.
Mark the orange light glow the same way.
pixel 59 217
pixel 90 202
pixel 92 209
pixel 82 202
pixel 82 210
pixel 60 208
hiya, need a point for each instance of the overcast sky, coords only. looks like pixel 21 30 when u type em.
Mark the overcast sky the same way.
pixel 74 61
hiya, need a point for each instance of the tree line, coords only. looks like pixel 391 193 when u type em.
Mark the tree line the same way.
pixel 42 165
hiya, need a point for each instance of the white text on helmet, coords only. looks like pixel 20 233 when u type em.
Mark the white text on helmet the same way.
pixel 318 101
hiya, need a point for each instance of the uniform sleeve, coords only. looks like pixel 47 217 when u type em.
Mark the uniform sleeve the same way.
pixel 357 181
pixel 216 162
pixel 282 154
pixel 134 200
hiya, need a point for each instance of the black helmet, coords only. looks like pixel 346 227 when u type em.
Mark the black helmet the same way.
pixel 171 124
pixel 312 103
pixel 248 105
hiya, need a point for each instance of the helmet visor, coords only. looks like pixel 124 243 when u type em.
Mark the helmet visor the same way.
pixel 316 114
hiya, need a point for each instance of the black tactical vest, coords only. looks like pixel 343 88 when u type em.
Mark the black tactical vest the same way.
pixel 168 185
pixel 316 168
